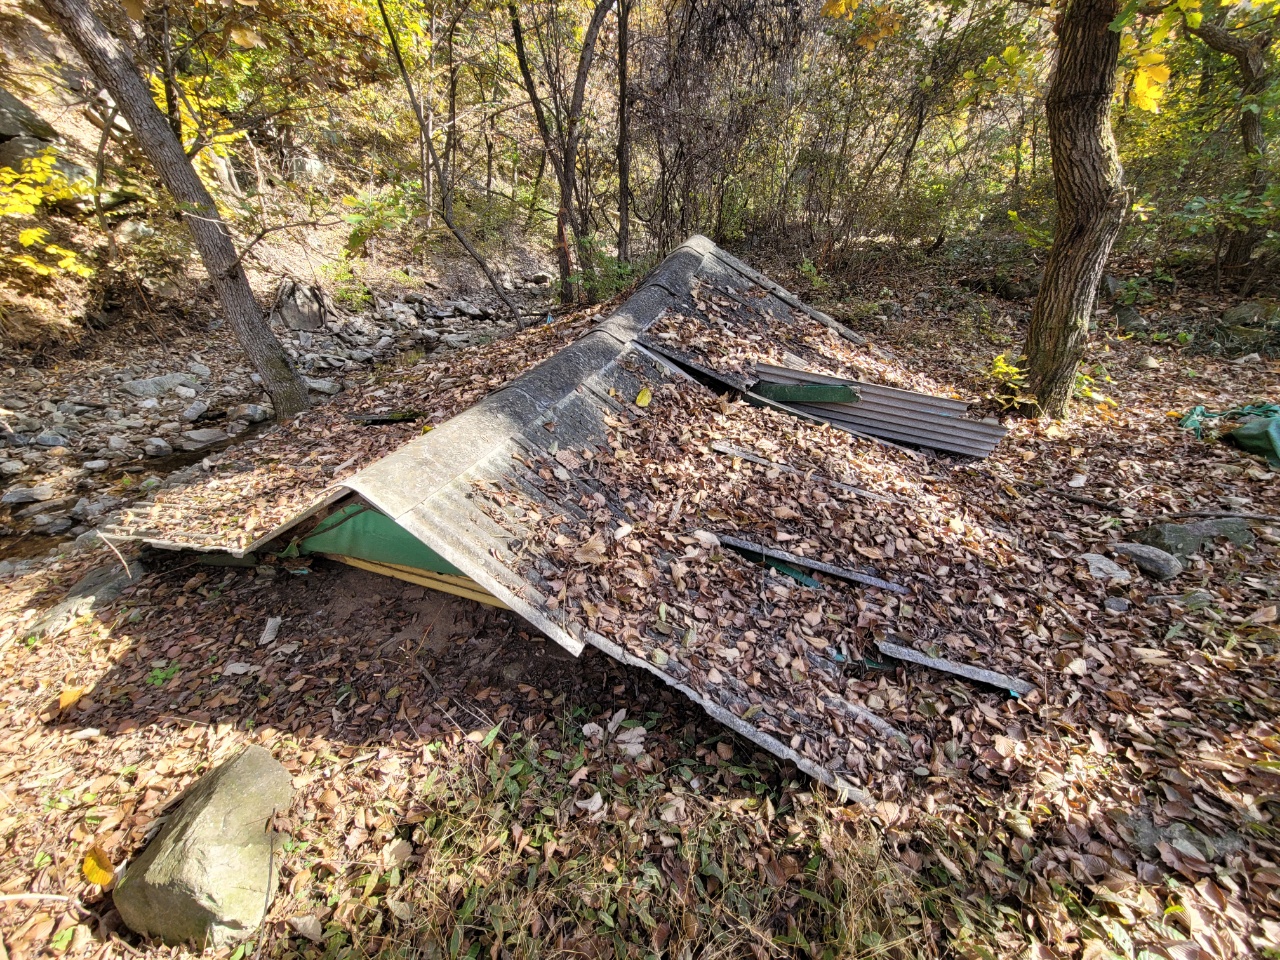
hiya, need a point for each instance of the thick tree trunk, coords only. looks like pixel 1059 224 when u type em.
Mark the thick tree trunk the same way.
pixel 1087 180
pixel 1250 55
pixel 115 70
pixel 624 134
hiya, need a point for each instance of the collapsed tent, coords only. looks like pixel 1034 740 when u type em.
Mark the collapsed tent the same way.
pixel 615 496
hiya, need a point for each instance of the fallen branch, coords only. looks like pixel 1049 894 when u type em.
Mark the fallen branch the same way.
pixel 1265 517
pixel 1080 498
pixel 746 546
pixel 1019 688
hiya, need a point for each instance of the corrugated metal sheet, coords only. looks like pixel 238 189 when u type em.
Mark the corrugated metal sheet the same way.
pixel 902 416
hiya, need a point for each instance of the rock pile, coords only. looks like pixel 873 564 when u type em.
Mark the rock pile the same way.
pixel 64 440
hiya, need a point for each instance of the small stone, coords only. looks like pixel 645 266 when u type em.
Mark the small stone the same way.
pixel 1154 562
pixel 323 386
pixel 209 875
pixel 1116 605
pixel 27 494
pixel 1101 568
pixel 96 466
pixel 199 369
pixel 11 468
pixel 1149 363
pixel 48 438
pixel 186 393
pixel 195 411
pixel 156 447
pixel 203 438
pixel 361 356
pixel 118 443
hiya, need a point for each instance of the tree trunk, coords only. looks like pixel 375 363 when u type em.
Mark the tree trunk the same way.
pixel 1087 179
pixel 115 70
pixel 624 134
pixel 1250 55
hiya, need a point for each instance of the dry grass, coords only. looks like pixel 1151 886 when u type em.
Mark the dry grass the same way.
pixel 515 855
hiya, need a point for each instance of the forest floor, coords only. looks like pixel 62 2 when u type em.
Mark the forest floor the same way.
pixel 464 788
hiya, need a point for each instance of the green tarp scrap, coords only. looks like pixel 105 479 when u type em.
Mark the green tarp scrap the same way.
pixel 1259 434
pixel 357 530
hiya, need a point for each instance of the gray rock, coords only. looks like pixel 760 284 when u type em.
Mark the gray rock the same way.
pixel 300 306
pixel 1184 539
pixel 19 120
pixel 92 592
pixel 1154 562
pixel 457 340
pixel 1130 320
pixel 156 447
pixel 199 369
pixel 49 438
pixel 11 468
pixel 1197 599
pixel 186 393
pixel 204 437
pixel 96 466
pixel 253 412
pixel 1250 313
pixel 195 411
pixel 118 443
pixel 539 279
pixel 1116 605
pixel 1100 568
pixel 157 386
pixel 361 356
pixel 209 875
pixel 27 494
pixel 55 525
pixel 6 568
pixel 323 386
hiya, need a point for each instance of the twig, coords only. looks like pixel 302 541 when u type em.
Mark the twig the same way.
pixel 112 250
pixel 266 230
pixel 18 897
pixel 1080 498
pixel 119 556
pixel 1019 688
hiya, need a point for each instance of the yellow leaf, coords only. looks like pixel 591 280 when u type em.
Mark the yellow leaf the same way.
pixel 32 236
pixel 97 866
pixel 246 37
pixel 69 696
pixel 840 9
pixel 643 397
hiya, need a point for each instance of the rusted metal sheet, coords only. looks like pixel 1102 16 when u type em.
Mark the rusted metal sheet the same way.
pixel 902 416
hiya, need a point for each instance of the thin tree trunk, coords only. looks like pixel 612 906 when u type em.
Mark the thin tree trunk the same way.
pixel 446 198
pixel 1087 179
pixel 115 70
pixel 624 134
pixel 1250 55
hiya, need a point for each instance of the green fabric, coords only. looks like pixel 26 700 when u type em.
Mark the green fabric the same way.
pixel 359 531
pixel 1259 435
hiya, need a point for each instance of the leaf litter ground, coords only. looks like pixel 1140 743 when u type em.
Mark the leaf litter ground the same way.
pixel 1127 805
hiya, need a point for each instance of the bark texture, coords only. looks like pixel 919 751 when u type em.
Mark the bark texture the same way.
pixel 1090 195
pixel 113 65
pixel 624 133
pixel 1250 55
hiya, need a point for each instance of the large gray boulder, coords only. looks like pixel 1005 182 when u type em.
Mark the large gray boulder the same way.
pixel 91 592
pixel 19 120
pixel 210 874
pixel 301 306
pixel 1184 539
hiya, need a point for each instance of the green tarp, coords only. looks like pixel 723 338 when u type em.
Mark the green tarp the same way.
pixel 357 530
pixel 1259 434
